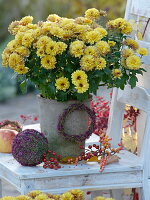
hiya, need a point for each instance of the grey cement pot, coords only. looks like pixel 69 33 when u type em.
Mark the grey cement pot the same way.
pixel 76 123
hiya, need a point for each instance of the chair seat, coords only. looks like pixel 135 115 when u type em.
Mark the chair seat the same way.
pixel 87 176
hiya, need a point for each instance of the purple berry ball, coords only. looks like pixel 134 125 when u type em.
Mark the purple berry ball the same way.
pixel 29 146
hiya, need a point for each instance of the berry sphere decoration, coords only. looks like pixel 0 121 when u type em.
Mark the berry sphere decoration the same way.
pixel 29 146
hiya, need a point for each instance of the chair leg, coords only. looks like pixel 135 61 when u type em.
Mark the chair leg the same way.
pixel 0 188
pixel 145 191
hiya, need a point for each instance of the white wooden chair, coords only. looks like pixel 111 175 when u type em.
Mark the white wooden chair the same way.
pixel 130 172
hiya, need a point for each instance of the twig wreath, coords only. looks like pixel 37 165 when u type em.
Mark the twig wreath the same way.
pixel 70 109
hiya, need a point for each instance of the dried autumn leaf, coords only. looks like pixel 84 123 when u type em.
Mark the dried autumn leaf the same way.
pixel 66 159
pixel 93 159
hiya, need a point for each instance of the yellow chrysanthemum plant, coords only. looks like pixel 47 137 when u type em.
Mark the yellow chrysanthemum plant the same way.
pixel 70 58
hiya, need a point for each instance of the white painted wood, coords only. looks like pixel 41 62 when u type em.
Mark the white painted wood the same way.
pixel 96 194
pixel 117 194
pixel 115 119
pixel 0 188
pixel 84 176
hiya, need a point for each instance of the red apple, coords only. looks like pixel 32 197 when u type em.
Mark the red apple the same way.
pixel 6 139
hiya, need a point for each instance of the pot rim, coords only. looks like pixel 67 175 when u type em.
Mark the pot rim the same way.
pixel 40 98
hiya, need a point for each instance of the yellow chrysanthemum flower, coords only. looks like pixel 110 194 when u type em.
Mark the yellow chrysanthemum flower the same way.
pixel 34 193
pixel 142 51
pixel 57 31
pixel 61 47
pixel 127 52
pixel 23 51
pixel 67 196
pixel 102 31
pixel 38 32
pixel 41 197
pixel 15 59
pixel 111 24
pixel 120 23
pixel 62 83
pixel 67 34
pixel 12 45
pixel 46 27
pixel 41 52
pixel 91 50
pixel 92 14
pixel 99 198
pixel 53 18
pixel 27 39
pixel 82 28
pixel 5 59
pixel 127 29
pixel 116 73
pixel 110 199
pixel 77 48
pixel 64 21
pixel 26 20
pixel 43 41
pixel 87 62
pixel 14 27
pixel 103 47
pixel 78 75
pixel 93 36
pixel 69 26
pixel 21 69
pixel 22 29
pixel 133 62
pixel 100 63
pixel 32 26
pixel 23 197
pixel 131 43
pixel 51 48
pixel 78 194
pixel 123 62
pixel 111 43
pixel 18 37
pixel 83 20
pixel 8 198
pixel 48 62
pixel 82 86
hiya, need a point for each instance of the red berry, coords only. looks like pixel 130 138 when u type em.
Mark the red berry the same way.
pixel 81 147
pixel 51 166
pixel 97 147
pixel 90 146
pixel 94 145
pixel 88 193
pixel 54 154
pixel 52 159
pixel 59 156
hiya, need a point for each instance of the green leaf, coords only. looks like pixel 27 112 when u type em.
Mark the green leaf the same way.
pixel 82 97
pixel 51 91
pixel 61 96
pixel 142 69
pixel 23 86
pixel 107 70
pixel 133 81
